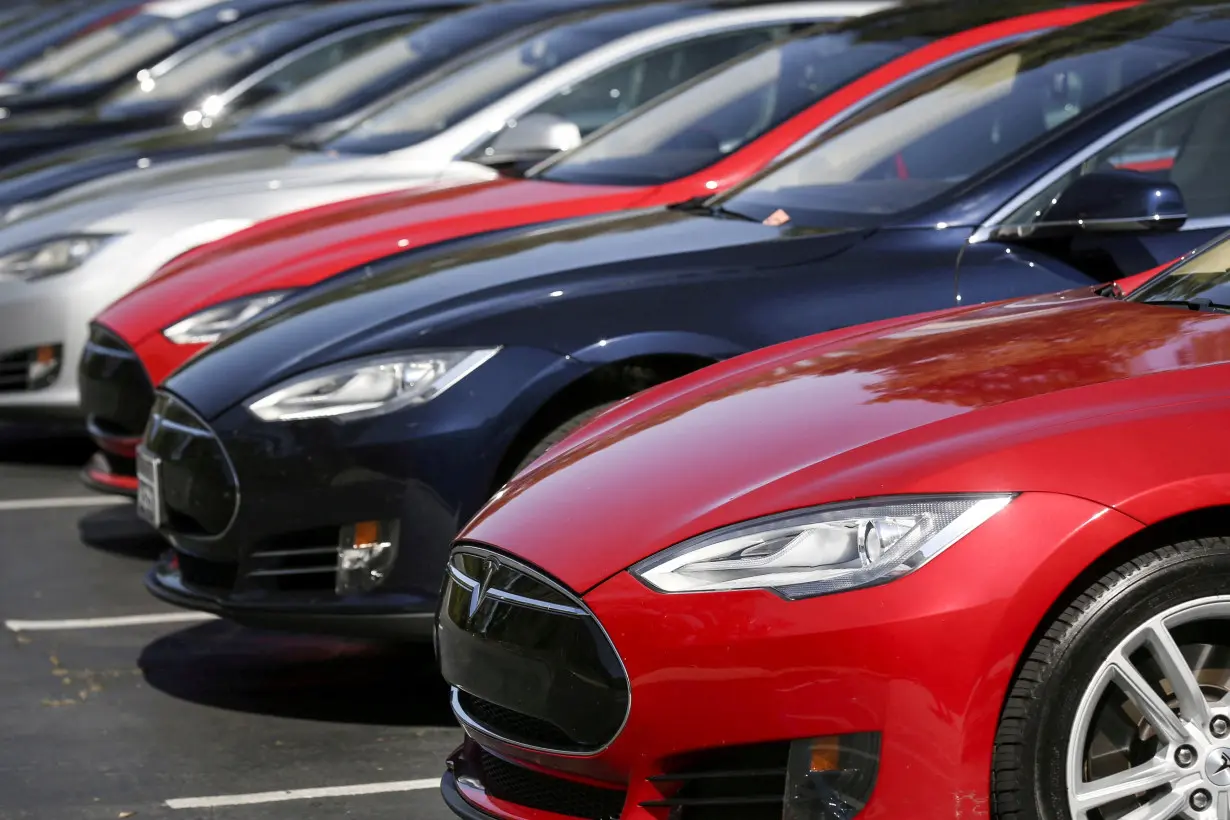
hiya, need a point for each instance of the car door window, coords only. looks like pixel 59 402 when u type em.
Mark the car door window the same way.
pixel 1186 146
pixel 317 61
pixel 597 100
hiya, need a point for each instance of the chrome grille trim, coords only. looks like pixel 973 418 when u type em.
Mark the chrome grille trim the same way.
pixel 472 726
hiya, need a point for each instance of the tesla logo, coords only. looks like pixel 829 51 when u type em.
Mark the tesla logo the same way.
pixel 482 584
pixel 1217 767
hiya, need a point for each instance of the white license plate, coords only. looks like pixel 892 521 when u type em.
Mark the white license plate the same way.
pixel 149 487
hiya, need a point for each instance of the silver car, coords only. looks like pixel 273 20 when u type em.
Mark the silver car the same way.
pixel 65 258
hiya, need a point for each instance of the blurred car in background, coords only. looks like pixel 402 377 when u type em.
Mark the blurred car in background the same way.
pixel 293 461
pixel 337 95
pixel 34 28
pixel 213 72
pixel 86 68
pixel 79 251
pixel 702 138
pixel 1007 473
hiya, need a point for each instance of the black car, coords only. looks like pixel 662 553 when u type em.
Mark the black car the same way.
pixel 328 102
pixel 311 468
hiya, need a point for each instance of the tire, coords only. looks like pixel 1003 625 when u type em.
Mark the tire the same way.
pixel 1053 690
pixel 560 433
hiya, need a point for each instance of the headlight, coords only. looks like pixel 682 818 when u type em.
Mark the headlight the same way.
pixel 369 387
pixel 207 326
pixel 821 550
pixel 51 257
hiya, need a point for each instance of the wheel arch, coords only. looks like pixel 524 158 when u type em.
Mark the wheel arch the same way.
pixel 601 382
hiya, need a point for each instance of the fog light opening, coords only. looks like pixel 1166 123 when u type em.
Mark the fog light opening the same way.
pixel 44 366
pixel 366 552
pixel 831 778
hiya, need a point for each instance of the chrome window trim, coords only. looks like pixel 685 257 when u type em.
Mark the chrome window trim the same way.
pixel 984 231
pixel 469 724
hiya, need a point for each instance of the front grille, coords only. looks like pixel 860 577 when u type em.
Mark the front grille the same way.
pixel 199 488
pixel 529 664
pixel 32 368
pixel 734 783
pixel 116 392
pixel 515 726
pixel 302 561
pixel 533 790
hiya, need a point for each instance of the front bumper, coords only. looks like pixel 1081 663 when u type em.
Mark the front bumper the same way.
pixel 166 582
pixel 923 663
pixel 255 511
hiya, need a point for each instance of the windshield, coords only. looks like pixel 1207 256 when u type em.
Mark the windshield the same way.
pixel 949 126
pixel 302 67
pixel 109 53
pixel 1206 275
pixel 240 45
pixel 721 113
pixel 436 107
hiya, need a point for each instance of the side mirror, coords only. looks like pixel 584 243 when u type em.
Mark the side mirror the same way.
pixel 1111 202
pixel 533 138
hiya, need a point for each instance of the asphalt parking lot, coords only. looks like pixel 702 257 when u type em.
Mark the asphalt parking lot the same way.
pixel 150 717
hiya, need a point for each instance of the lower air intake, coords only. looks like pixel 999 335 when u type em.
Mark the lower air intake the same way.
pixel 523 787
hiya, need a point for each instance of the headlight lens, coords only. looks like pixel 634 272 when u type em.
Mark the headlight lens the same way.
pixel 369 387
pixel 821 550
pixel 207 326
pixel 52 257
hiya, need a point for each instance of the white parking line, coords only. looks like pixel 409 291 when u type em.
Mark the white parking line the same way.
pixel 103 623
pixel 58 503
pixel 301 794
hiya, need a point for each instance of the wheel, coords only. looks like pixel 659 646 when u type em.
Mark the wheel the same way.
pixel 559 434
pixel 1122 709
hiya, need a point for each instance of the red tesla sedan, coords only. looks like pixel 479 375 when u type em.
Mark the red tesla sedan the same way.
pixel 702 139
pixel 968 564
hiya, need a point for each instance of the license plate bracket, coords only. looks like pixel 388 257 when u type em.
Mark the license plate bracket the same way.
pixel 149 487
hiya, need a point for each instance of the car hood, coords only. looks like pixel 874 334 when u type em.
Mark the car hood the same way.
pixel 51 173
pixel 840 416
pixel 236 174
pixel 402 302
pixel 304 247
pixel 192 213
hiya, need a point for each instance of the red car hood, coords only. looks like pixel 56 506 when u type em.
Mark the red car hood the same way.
pixel 884 409
pixel 302 248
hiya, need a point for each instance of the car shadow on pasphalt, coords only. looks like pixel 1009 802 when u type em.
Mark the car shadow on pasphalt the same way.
pixel 54 446
pixel 299 676
pixel 119 531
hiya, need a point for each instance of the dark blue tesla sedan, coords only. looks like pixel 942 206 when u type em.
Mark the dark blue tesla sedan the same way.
pixel 311 469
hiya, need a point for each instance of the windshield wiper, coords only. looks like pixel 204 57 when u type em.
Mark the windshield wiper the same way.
pixel 1200 303
pixel 696 205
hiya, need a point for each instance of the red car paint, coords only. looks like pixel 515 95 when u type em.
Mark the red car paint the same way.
pixel 1076 401
pixel 304 248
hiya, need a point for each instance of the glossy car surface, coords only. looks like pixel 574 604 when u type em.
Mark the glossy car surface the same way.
pixel 213 67
pixel 124 234
pixel 516 338
pixel 41 27
pixel 1054 404
pixel 304 248
pixel 81 70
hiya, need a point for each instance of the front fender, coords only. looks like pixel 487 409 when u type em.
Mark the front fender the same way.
pixel 662 343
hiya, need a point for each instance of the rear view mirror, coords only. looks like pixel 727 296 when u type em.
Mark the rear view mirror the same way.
pixel 1109 202
pixel 532 139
